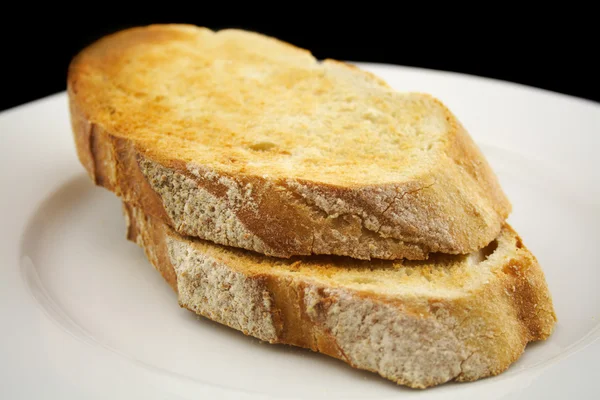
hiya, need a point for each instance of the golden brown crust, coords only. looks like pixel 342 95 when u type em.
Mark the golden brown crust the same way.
pixel 154 245
pixel 112 163
pixel 476 335
pixel 455 207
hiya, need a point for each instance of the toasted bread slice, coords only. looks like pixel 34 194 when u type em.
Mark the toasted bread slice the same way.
pixel 250 142
pixel 417 323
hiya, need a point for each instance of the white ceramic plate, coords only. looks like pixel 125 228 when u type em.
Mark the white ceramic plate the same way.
pixel 84 315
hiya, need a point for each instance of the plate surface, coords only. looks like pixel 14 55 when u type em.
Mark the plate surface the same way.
pixel 86 316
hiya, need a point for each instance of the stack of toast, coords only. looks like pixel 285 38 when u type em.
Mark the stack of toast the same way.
pixel 306 202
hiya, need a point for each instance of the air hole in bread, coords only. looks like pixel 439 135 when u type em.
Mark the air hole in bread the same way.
pixel 489 249
pixel 483 254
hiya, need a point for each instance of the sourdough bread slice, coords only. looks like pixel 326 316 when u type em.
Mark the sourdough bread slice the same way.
pixel 247 141
pixel 417 323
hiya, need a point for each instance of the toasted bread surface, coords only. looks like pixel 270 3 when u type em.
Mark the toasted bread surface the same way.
pixel 417 323
pixel 292 155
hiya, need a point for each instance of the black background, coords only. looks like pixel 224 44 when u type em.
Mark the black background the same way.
pixel 556 52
